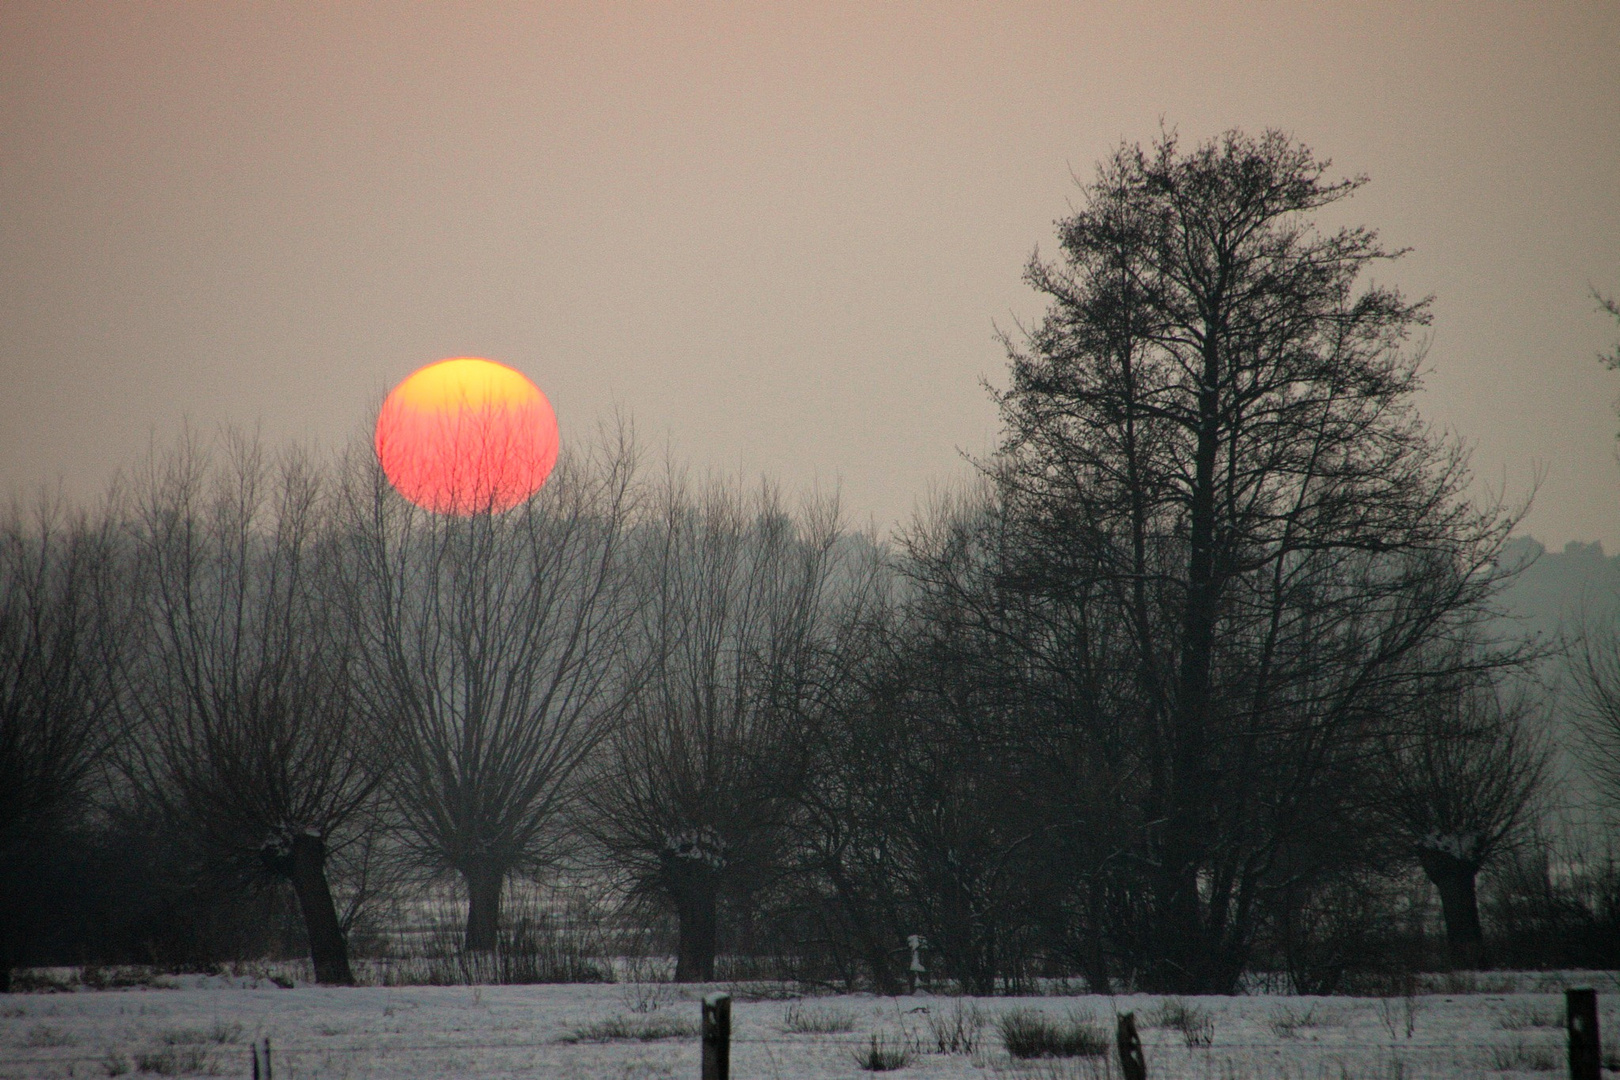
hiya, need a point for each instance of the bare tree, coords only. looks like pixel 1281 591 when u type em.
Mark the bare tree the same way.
pixel 699 781
pixel 494 650
pixel 1607 304
pixel 1595 674
pixel 1211 445
pixel 247 731
pixel 1459 782
pixel 61 617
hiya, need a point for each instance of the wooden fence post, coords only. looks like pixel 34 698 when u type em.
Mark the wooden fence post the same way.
pixel 717 1037
pixel 1581 1019
pixel 1131 1062
pixel 268 1073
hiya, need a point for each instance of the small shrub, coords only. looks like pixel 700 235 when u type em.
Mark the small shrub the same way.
pixel 115 1063
pixel 1399 1015
pixel 634 1029
pixel 1196 1026
pixel 882 1055
pixel 802 1019
pixel 1029 1034
pixel 959 1031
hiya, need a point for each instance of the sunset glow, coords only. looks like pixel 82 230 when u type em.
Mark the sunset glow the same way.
pixel 466 436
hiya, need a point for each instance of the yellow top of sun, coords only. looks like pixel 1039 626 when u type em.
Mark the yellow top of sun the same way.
pixel 465 381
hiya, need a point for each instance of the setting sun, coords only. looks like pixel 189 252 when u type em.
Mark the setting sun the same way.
pixel 466 436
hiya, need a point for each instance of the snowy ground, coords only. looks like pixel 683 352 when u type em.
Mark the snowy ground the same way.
pixel 206 1025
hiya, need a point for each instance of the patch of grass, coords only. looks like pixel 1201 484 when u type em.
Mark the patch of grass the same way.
pixel 634 1029
pixel 1029 1034
pixel 174 1061
pixel 115 1063
pixel 883 1055
pixel 125 977
pixel 1067 1069
pixel 764 991
pixel 1197 1027
pixel 42 1035
pixel 801 1019
pixel 1458 983
pixel 1287 1022
pixel 1525 1017
pixel 959 1031
pixel 1524 1057
pixel 643 996
pixel 183 1037
pixel 43 981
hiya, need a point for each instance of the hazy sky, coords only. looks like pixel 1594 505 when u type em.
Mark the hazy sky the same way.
pixel 779 235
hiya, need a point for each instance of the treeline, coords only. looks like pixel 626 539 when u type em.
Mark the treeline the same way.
pixel 1197 679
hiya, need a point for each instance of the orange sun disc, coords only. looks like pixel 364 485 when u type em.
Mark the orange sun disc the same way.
pixel 467 436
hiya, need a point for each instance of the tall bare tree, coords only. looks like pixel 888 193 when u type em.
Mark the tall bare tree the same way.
pixel 248 735
pixel 698 786
pixel 494 661
pixel 62 613
pixel 1211 442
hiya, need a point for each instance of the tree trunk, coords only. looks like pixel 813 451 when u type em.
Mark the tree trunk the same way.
pixel 1459 903
pixel 696 901
pixel 1185 957
pixel 483 909
pixel 303 862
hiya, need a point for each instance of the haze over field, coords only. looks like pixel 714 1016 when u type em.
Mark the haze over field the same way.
pixel 781 237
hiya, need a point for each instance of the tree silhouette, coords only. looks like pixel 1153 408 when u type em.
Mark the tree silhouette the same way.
pixel 63 610
pixel 493 651
pixel 246 729
pixel 1211 445
pixel 698 785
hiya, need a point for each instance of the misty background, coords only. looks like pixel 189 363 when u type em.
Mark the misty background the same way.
pixel 1176 653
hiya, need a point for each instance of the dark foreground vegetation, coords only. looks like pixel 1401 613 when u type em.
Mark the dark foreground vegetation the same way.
pixel 1204 677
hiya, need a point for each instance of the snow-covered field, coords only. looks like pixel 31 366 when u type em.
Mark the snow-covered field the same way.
pixel 206 1025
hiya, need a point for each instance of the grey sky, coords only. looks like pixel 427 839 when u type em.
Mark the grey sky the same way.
pixel 778 235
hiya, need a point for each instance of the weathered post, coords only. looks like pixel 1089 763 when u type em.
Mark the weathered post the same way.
pixel 1581 1019
pixel 1131 1062
pixel 717 1037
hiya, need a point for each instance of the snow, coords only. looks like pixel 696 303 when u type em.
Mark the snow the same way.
pixel 207 1025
